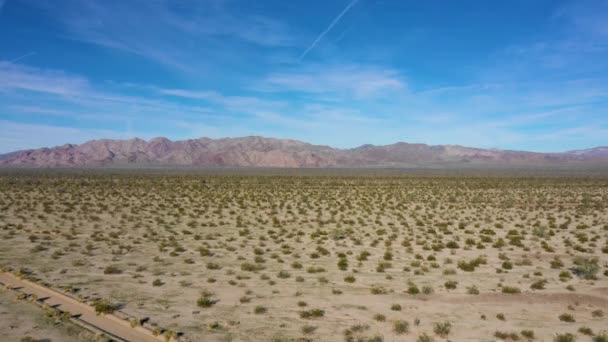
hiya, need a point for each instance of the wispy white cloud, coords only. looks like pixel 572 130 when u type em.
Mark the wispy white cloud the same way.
pixel 353 80
pixel 60 94
pixel 181 35
pixel 336 114
pixel 17 136
pixel 326 31
pixel 16 76
pixel 238 103
pixel 588 17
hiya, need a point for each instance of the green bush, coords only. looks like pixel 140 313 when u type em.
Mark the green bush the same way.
pixel 103 306
pixel 586 268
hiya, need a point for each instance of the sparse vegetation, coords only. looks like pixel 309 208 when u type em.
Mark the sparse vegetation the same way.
pixel 282 242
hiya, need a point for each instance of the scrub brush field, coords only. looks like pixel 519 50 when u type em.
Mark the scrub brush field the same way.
pixel 319 257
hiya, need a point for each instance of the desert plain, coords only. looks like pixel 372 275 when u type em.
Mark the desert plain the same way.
pixel 312 257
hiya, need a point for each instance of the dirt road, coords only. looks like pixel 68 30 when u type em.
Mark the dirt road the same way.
pixel 114 326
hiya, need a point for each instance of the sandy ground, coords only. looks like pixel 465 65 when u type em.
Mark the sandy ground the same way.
pixel 19 319
pixel 106 323
pixel 153 244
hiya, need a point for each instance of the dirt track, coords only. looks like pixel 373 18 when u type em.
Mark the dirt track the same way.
pixel 107 323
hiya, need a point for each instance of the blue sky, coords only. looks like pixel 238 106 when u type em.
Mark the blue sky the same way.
pixel 529 75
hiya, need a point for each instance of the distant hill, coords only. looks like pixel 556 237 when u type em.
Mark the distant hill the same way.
pixel 257 151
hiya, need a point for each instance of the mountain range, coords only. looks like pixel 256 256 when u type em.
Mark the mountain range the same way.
pixel 255 151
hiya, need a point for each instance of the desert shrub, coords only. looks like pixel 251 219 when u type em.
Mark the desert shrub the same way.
pixel 401 327
pixel 585 331
pixel 103 306
pixel 427 289
pixel 30 339
pixel 603 337
pixel 249 267
pixel 510 290
pixel 169 335
pixel 343 264
pixel 205 251
pixel 378 290
pixel 513 336
pixel 313 269
pixel 283 274
pixel 442 328
pixel 449 271
pixel 471 265
pixel 413 289
pixel 586 268
pixel 529 334
pixel 363 256
pixel 206 299
pixel 380 317
pixel 260 310
pixel 452 245
pixel 451 284
pixel 564 338
pixel 565 276
pixel 424 338
pixel 566 317
pixel 354 334
pixel 158 282
pixel 313 313
pixel 213 266
pixel 396 307
pixel 539 284
pixel 308 329
pixel 349 279
pixel 112 269
pixel 472 290
pixel 556 263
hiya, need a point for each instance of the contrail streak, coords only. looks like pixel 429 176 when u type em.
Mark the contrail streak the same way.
pixel 24 56
pixel 333 23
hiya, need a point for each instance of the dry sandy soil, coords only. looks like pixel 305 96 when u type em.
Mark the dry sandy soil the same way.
pixel 320 258
pixel 19 320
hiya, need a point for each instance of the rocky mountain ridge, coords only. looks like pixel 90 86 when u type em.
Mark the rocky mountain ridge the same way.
pixel 255 151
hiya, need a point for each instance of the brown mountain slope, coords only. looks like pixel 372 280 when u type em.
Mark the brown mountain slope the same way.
pixel 269 152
